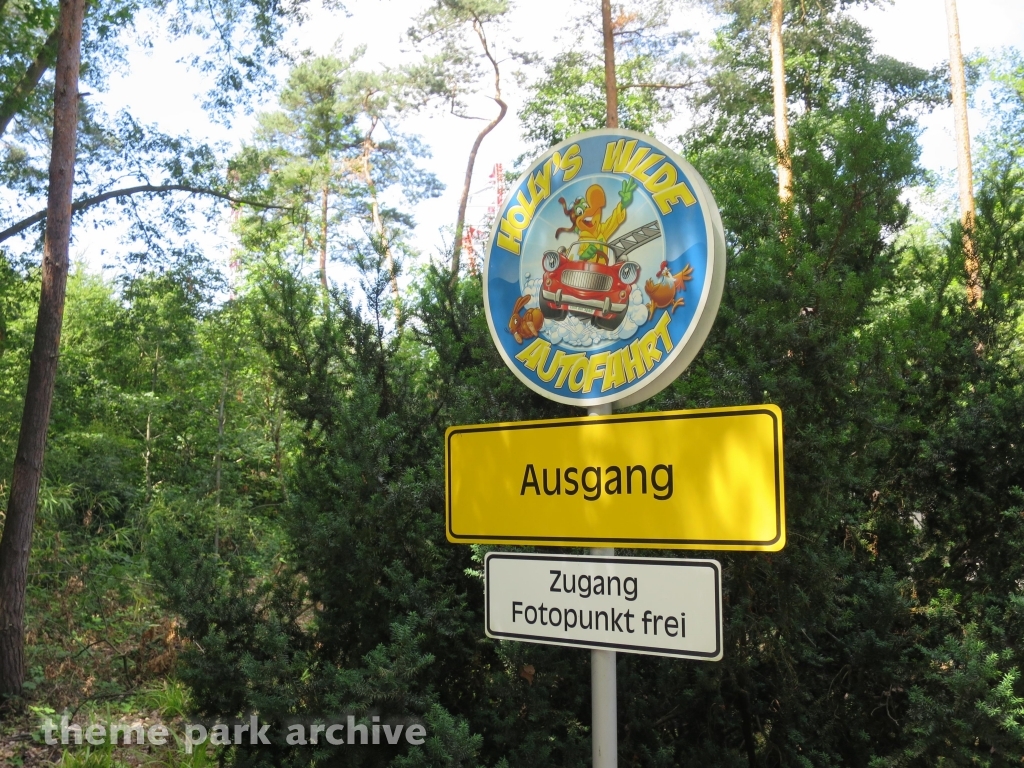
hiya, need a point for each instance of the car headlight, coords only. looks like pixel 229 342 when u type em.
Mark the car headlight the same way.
pixel 550 261
pixel 629 272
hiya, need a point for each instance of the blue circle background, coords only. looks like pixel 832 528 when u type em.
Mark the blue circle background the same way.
pixel 685 235
pixel 550 216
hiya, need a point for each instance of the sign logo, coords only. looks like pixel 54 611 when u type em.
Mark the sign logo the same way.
pixel 604 270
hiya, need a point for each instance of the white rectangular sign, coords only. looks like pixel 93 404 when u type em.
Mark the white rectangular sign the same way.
pixel 658 606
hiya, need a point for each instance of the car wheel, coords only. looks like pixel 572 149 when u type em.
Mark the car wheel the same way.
pixel 550 313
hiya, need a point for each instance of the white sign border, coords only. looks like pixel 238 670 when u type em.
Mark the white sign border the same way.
pixel 642 650
pixel 707 308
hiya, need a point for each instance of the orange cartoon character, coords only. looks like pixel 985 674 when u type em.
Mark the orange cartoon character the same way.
pixel 663 287
pixel 527 325
pixel 587 219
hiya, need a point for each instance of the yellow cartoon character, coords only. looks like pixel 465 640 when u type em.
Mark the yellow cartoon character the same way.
pixel 587 219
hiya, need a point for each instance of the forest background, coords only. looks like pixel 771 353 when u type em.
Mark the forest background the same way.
pixel 242 498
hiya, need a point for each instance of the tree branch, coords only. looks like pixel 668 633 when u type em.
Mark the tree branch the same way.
pixel 43 60
pixel 88 202
pixel 460 221
pixel 666 86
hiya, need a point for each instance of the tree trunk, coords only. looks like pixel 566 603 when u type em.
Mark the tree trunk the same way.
pixel 323 240
pixel 785 165
pixel 611 88
pixel 28 462
pixel 272 405
pixel 378 224
pixel 748 727
pixel 15 100
pixel 147 454
pixel 279 452
pixel 218 457
pixel 460 221
pixel 963 155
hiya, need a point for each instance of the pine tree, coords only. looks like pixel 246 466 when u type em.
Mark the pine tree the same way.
pixel 28 464
pixel 965 175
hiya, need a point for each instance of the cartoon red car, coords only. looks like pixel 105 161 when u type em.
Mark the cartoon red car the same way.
pixel 590 289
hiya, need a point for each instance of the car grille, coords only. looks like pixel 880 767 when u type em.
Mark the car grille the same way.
pixel 586 281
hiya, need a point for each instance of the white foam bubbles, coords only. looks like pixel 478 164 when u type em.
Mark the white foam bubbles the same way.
pixel 580 333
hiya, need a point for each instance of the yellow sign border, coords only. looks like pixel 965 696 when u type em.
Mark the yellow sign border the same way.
pixel 774 544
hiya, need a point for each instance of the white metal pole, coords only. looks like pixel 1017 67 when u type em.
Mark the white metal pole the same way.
pixel 603 693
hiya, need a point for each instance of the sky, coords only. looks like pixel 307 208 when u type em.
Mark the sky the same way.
pixel 158 89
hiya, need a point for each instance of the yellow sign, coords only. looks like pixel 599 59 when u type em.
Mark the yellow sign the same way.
pixel 707 479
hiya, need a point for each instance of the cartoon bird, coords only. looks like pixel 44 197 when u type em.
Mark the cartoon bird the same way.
pixel 586 217
pixel 663 287
pixel 527 325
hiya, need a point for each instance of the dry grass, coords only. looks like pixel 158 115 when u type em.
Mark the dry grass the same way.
pixel 99 649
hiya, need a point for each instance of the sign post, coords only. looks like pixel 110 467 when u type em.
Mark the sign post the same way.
pixel 604 696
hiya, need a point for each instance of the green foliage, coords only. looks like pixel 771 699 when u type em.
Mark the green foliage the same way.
pixel 370 611
pixel 333 156
pixel 235 42
pixel 90 758
pixel 269 467
pixel 170 698
pixel 870 351
pixel 241 42
pixel 652 66
pixel 461 50
pixel 25 38
pixel 569 99
pixel 1005 75
pixel 886 633
pixel 163 403
pixel 829 64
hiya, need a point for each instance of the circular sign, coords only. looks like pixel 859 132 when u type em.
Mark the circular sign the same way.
pixel 604 270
